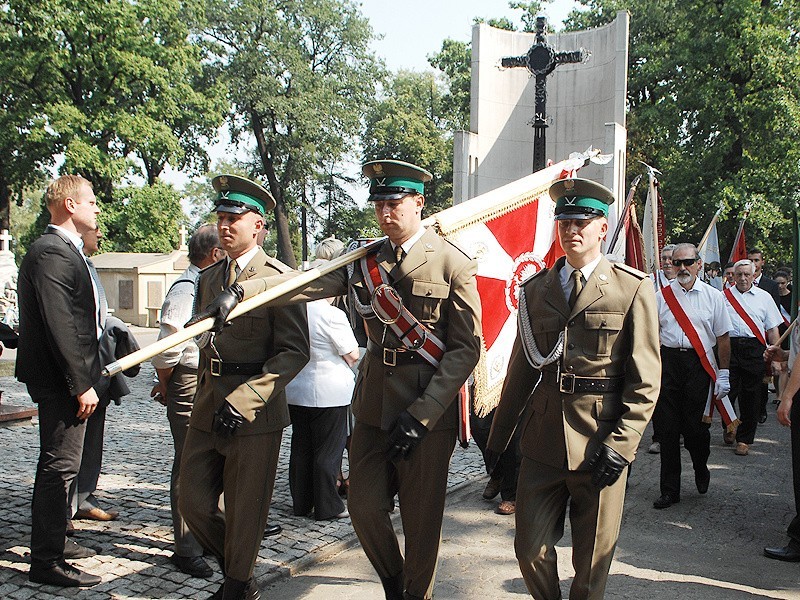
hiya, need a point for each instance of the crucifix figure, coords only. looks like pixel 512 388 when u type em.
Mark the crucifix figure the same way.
pixel 541 60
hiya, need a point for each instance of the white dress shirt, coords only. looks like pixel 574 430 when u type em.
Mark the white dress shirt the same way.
pixel 565 276
pixel 759 305
pixel 706 303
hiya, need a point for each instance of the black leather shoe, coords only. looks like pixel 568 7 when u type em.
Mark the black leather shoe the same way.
pixel 762 418
pixel 788 553
pixel 192 565
pixel 62 575
pixel 272 530
pixel 393 586
pixel 665 501
pixel 702 479
pixel 74 550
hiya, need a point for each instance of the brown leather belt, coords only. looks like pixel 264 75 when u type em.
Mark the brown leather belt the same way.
pixel 574 384
pixel 221 368
pixel 393 357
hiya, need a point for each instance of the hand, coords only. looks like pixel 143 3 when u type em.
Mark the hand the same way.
pixel 227 420
pixel 87 403
pixel 606 465
pixel 491 458
pixel 159 393
pixel 220 307
pixel 775 353
pixel 723 384
pixel 406 435
pixel 784 410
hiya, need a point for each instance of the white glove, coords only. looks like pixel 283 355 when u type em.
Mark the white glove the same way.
pixel 723 384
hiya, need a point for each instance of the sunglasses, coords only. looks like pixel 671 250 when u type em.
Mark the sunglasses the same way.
pixel 684 262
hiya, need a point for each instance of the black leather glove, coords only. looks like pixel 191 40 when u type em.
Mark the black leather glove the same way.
pixel 491 458
pixel 606 465
pixel 405 436
pixel 220 307
pixel 227 420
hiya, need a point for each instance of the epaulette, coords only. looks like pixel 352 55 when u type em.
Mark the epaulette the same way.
pixel 278 265
pixel 630 270
pixel 457 247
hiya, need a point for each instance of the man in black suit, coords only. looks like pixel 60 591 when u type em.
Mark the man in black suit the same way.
pixel 771 287
pixel 58 360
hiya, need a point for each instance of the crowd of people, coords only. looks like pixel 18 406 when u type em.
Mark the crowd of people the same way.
pixel 370 358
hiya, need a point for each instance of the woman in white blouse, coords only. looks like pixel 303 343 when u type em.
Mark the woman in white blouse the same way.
pixel 318 401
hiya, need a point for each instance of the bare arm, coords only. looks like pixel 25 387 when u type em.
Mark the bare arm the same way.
pixel 724 351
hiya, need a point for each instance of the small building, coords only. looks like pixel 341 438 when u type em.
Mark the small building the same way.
pixel 136 283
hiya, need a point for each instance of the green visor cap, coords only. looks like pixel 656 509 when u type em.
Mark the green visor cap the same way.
pixel 393 179
pixel 237 195
pixel 580 199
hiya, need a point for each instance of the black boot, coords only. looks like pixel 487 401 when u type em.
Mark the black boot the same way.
pixel 234 589
pixel 408 596
pixel 393 586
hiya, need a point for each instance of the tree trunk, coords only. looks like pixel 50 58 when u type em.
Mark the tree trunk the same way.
pixel 5 207
pixel 284 241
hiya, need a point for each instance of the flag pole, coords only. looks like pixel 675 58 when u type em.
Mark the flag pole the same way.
pixel 710 227
pixel 625 210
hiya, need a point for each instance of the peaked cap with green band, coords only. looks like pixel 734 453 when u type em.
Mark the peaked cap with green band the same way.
pixel 237 195
pixel 393 179
pixel 580 199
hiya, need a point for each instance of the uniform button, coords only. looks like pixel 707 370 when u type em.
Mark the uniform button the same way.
pixel 572 323
pixel 428 293
pixel 602 323
pixel 389 373
pixel 570 368
pixel 570 346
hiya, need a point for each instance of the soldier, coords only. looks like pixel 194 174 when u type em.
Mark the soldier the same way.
pixel 590 330
pixel 239 410
pixel 419 297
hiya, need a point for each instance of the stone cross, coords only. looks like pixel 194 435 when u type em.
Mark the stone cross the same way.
pixel 5 241
pixel 541 60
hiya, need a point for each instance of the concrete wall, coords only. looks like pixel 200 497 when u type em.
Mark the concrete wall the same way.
pixel 585 107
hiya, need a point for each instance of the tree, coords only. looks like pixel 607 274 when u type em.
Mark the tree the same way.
pixel 715 107
pixel 300 74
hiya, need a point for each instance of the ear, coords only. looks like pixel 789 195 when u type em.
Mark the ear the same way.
pixel 603 229
pixel 419 202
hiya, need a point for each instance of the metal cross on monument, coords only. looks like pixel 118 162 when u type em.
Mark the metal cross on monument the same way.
pixel 541 60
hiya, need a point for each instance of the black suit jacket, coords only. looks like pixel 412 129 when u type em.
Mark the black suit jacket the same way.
pixel 771 287
pixel 58 352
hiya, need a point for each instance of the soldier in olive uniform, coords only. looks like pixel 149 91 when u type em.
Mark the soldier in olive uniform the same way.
pixel 589 328
pixel 239 408
pixel 406 417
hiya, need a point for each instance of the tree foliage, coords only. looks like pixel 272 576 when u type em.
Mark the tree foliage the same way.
pixel 299 74
pixel 716 108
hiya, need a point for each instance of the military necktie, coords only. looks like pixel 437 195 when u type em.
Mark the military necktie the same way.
pixel 398 254
pixel 233 267
pixel 577 286
pixel 102 301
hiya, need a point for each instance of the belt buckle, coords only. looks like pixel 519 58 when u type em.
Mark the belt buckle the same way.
pixel 566 383
pixel 390 357
pixel 216 367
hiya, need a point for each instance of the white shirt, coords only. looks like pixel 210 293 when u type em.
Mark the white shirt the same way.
pixel 565 275
pixel 705 301
pixel 245 258
pixel 406 246
pixel 326 380
pixel 176 310
pixel 761 308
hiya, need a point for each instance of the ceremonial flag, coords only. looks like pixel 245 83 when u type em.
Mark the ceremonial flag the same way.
pixel 739 250
pixel 634 244
pixel 653 232
pixel 709 252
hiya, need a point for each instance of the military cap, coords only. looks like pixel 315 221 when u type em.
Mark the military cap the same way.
pixel 237 195
pixel 393 179
pixel 577 198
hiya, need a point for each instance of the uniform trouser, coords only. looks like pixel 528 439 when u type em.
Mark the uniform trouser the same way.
pixel 61 444
pixel 84 485
pixel 747 373
pixel 243 467
pixel 421 482
pixel 507 469
pixel 318 439
pixel 180 396
pixel 794 415
pixel 543 493
pixel 680 407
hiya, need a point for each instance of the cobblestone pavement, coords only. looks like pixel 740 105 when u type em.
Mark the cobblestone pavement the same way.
pixel 706 546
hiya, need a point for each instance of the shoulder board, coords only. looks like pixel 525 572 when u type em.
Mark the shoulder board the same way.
pixel 630 270
pixel 457 247
pixel 278 265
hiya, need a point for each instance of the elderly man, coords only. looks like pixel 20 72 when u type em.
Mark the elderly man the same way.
pixel 693 323
pixel 587 335
pixel 239 410
pixel 58 360
pixel 755 320
pixel 176 369
pixel 419 297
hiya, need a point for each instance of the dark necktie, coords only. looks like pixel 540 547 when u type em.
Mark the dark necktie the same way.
pixel 233 267
pixel 101 295
pixel 577 286
pixel 398 254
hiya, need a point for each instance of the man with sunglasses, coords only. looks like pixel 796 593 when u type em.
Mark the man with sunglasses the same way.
pixel 693 322
pixel 585 370
pixel 419 300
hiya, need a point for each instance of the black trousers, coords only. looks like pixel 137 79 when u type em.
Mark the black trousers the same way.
pixel 680 407
pixel 318 439
pixel 747 374
pixel 794 415
pixel 61 436
pixel 508 464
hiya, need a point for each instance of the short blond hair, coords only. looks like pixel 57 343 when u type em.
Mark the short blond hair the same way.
pixel 62 188
pixel 329 248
